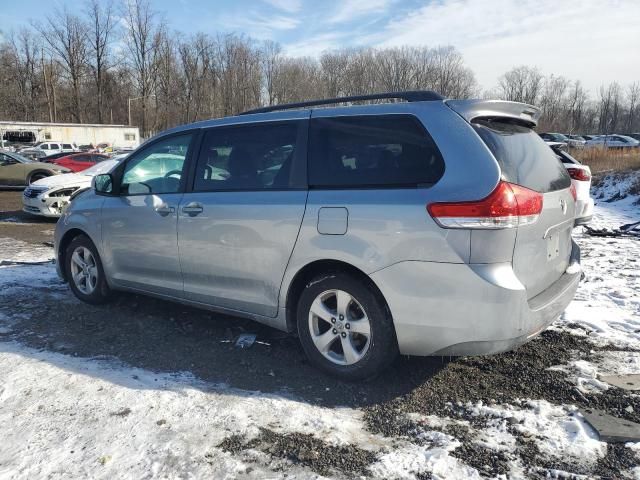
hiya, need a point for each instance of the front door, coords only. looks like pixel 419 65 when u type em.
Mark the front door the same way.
pixel 238 227
pixel 140 225
pixel 12 172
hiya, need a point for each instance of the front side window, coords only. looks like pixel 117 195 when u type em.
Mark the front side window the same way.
pixel 44 146
pixel 6 160
pixel 251 157
pixel 156 169
pixel 372 151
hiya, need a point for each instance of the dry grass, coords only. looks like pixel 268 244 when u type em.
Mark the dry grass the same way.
pixel 601 160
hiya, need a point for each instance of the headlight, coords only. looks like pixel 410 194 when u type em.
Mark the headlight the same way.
pixel 63 192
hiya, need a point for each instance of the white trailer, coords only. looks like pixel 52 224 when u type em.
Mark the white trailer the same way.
pixel 119 136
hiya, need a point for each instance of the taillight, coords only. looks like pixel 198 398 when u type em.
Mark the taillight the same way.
pixel 579 174
pixel 574 194
pixel 508 206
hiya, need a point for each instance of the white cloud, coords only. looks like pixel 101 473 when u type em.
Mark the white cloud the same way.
pixel 258 25
pixel 315 45
pixel 351 9
pixel 595 41
pixel 289 6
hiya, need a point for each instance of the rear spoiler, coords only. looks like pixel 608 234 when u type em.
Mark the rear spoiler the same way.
pixel 471 109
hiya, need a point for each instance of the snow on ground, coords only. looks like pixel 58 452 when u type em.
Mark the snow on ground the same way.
pixel 606 308
pixel 68 417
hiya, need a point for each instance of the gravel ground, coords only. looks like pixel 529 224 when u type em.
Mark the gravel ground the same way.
pixel 158 336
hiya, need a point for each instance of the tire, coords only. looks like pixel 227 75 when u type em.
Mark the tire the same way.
pixel 37 176
pixel 333 312
pixel 89 284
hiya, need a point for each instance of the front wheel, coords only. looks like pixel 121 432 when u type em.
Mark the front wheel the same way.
pixel 84 271
pixel 37 176
pixel 345 328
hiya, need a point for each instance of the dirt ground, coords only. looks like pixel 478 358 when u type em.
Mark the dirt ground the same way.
pixel 165 337
pixel 17 224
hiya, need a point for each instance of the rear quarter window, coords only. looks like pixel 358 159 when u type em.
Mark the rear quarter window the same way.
pixel 372 151
pixel 523 156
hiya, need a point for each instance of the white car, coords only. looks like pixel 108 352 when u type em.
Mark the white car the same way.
pixel 576 141
pixel 613 141
pixel 50 196
pixel 44 149
pixel 581 180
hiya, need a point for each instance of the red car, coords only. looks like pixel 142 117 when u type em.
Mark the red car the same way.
pixel 77 162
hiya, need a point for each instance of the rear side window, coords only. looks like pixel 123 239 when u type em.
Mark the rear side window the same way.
pixel 523 157
pixel 372 151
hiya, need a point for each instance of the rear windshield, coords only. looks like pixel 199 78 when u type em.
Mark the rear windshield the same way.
pixel 523 156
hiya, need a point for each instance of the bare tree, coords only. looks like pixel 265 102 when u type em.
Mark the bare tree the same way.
pixel 271 53
pixel 25 62
pixel 553 102
pixel 66 37
pixel 143 34
pixel 609 108
pixel 72 71
pixel 101 21
pixel 633 104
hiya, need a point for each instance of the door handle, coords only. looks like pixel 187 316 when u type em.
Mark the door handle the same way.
pixel 192 209
pixel 164 210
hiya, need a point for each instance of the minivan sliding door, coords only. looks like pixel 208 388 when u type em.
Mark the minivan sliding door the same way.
pixel 239 224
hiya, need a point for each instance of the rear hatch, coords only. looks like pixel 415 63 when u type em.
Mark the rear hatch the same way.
pixel 543 248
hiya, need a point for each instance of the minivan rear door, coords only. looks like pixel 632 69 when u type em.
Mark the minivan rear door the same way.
pixel 238 225
pixel 542 248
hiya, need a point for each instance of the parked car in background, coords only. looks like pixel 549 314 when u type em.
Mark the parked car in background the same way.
pixel 54 156
pixel 581 180
pixel 80 161
pixel 576 141
pixel 589 137
pixel 18 171
pixel 635 136
pixel 554 137
pixel 33 153
pixel 50 148
pixel 104 147
pixel 50 196
pixel 371 229
pixel 614 141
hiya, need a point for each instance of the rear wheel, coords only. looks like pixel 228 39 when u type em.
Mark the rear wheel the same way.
pixel 345 328
pixel 84 271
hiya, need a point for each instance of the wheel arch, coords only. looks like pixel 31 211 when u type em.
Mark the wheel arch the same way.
pixel 36 172
pixel 317 267
pixel 66 239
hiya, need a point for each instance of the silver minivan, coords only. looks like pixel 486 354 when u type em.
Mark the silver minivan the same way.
pixel 422 227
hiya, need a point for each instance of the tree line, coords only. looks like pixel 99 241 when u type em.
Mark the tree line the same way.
pixel 119 62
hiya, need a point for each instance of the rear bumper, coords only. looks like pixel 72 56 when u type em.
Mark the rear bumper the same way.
pixel 584 211
pixel 461 309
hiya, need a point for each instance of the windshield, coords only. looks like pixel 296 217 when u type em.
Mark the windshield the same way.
pixel 21 159
pixel 101 167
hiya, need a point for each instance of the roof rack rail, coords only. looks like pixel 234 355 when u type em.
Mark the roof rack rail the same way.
pixel 409 96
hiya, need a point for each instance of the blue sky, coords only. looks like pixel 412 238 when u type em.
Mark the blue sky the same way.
pixel 597 41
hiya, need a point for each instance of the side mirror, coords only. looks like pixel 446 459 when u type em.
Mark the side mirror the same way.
pixel 103 184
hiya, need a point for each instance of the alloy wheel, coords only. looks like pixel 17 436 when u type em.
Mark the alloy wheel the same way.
pixel 339 327
pixel 84 270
